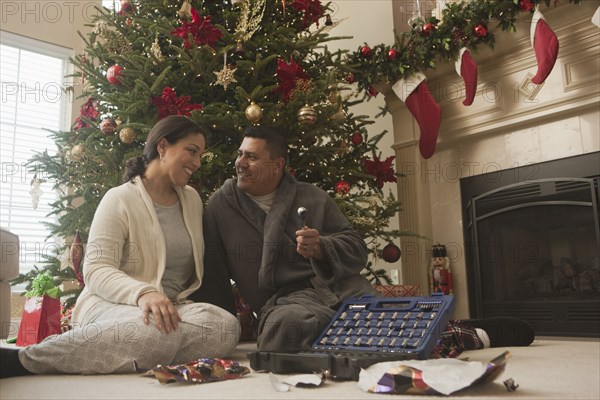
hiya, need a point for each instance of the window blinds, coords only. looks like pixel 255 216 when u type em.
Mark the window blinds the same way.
pixel 32 105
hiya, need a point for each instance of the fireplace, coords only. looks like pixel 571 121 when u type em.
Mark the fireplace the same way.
pixel 532 241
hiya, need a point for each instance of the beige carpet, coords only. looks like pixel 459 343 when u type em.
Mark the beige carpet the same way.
pixel 551 368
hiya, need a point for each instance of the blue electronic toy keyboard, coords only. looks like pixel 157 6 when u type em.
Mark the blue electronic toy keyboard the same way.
pixel 365 331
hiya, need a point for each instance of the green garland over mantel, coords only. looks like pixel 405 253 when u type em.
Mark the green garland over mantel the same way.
pixel 464 24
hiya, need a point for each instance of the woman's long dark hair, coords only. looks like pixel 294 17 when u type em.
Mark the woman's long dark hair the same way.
pixel 173 128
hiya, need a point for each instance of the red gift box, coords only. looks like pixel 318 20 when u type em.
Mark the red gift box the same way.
pixel 398 290
pixel 40 319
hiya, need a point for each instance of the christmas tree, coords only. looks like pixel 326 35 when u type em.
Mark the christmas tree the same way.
pixel 226 64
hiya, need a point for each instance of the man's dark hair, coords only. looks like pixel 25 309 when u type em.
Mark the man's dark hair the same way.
pixel 276 143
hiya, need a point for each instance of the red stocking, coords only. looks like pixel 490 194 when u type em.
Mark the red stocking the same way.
pixel 423 107
pixel 545 45
pixel 466 67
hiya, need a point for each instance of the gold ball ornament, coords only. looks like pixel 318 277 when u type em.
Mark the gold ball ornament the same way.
pixel 254 112
pixel 339 116
pixel 127 135
pixel 77 153
pixel 208 156
pixel 307 115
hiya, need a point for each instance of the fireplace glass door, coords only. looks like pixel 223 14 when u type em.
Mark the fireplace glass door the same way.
pixel 536 254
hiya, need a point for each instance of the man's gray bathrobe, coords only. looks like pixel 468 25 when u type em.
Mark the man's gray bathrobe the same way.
pixel 294 297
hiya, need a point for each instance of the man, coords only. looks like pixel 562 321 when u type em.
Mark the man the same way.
pixel 294 276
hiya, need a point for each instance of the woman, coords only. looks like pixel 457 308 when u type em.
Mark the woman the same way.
pixel 143 258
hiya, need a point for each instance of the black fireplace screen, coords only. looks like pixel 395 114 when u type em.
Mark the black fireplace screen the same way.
pixel 534 252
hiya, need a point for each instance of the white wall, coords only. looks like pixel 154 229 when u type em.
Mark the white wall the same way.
pixel 370 22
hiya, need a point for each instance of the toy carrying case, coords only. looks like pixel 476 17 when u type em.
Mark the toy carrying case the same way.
pixel 367 330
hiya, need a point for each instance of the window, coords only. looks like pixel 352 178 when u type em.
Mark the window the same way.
pixel 33 103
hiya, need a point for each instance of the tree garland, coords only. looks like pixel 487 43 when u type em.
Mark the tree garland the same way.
pixel 463 24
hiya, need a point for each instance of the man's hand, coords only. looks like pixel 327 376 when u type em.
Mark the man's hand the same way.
pixel 163 311
pixel 309 244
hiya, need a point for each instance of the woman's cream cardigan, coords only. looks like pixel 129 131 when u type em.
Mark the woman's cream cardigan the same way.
pixel 125 255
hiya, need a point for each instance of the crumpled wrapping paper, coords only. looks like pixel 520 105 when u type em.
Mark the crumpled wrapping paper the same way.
pixel 299 380
pixel 203 370
pixel 429 377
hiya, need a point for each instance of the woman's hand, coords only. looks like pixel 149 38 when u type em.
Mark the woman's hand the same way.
pixel 163 311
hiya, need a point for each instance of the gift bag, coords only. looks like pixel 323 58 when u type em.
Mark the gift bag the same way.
pixel 41 313
pixel 41 318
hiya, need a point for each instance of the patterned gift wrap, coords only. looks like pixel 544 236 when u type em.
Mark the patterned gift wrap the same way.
pixel 203 370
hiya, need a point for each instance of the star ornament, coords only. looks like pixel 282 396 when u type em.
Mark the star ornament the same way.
pixel 225 76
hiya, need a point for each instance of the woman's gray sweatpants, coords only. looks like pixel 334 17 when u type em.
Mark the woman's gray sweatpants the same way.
pixel 112 336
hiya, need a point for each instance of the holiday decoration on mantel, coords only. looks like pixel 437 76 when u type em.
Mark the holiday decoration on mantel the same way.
pixel 545 44
pixel 413 91
pixel 461 28
pixel 467 69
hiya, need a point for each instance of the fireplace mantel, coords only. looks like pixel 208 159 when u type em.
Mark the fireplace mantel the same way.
pixel 512 122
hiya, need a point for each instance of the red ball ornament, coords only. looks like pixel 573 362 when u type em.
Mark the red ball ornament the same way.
pixel 366 52
pixel 350 78
pixel 342 187
pixel 372 91
pixel 480 31
pixel 526 5
pixel 428 28
pixel 391 253
pixel 392 54
pixel 113 74
pixel 108 126
pixel 357 138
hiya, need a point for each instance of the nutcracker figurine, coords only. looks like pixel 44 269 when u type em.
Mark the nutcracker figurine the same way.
pixel 440 275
